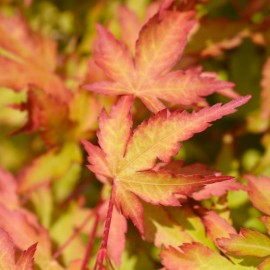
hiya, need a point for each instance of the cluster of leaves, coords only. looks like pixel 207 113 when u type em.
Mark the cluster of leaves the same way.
pixel 124 89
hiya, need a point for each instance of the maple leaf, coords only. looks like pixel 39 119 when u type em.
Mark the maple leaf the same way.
pixel 7 261
pixel 217 189
pixel 7 258
pixel 214 189
pixel 246 243
pixel 216 226
pixel 161 41
pixel 27 57
pixel 59 161
pixel 130 27
pixel 59 121
pixel 259 192
pixel 161 229
pixel 23 228
pixel 8 190
pixel 45 113
pixel 126 160
pixel 196 256
pixel 26 260
pixel 116 241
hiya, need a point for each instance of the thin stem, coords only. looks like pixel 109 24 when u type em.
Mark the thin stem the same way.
pixel 90 244
pixel 102 253
pixel 106 231
pixel 73 236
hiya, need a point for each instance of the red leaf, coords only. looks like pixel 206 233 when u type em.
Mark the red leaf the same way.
pixel 26 259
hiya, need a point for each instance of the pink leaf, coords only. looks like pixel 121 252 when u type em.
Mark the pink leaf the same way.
pixel 7 261
pixel 117 236
pixel 26 259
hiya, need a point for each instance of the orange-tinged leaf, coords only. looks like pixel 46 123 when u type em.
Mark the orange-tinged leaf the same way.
pixel 130 206
pixel 136 154
pixel 27 57
pixel 217 189
pixel 8 190
pixel 160 43
pixel 246 243
pixel 117 236
pixel 16 29
pixel 216 226
pixel 97 159
pixel 60 161
pixel 259 192
pixel 184 87
pixel 192 224
pixel 7 252
pixel 18 227
pixel 107 49
pixel 161 229
pixel 130 27
pixel 196 168
pixel 162 133
pixel 160 187
pixel 47 114
pixel 196 256
pixel 114 132
pixel 83 112
pixel 26 259
pixel 75 265
pixel 59 121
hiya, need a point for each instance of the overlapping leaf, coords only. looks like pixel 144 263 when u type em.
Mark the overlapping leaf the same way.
pixel 196 256
pixel 247 243
pixel 259 192
pixel 59 121
pixel 161 41
pixel 7 258
pixel 23 228
pixel 27 57
pixel 126 160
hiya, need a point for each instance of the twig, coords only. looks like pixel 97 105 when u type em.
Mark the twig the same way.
pixel 73 236
pixel 102 253
pixel 90 244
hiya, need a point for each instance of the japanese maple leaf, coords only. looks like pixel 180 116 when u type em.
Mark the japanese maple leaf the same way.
pixel 195 256
pixel 259 192
pixel 59 121
pixel 246 243
pixel 126 159
pixel 7 251
pixel 161 41
pixel 28 57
